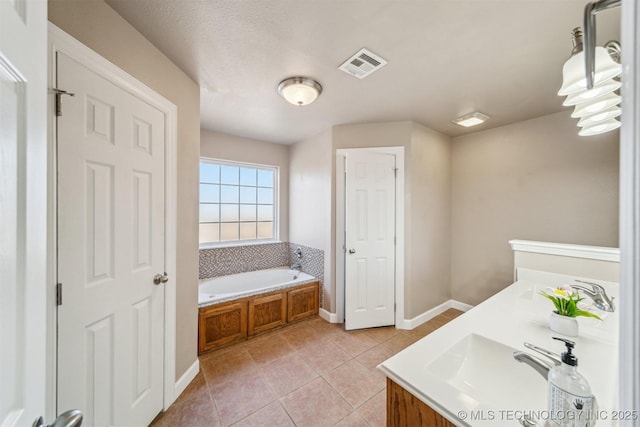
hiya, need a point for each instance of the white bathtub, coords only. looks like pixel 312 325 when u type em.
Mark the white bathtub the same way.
pixel 227 288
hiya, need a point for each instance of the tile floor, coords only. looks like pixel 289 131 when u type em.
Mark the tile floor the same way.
pixel 312 373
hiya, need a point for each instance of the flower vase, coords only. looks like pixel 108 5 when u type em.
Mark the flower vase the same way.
pixel 563 324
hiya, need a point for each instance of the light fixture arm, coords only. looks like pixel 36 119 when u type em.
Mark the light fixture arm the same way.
pixel 590 11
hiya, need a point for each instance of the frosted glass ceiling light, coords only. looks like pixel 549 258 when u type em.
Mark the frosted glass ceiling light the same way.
pixel 588 94
pixel 472 119
pixel 597 105
pixel 598 128
pixel 299 90
pixel 599 117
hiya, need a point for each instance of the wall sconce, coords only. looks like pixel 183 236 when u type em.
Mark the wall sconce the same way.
pixel 589 76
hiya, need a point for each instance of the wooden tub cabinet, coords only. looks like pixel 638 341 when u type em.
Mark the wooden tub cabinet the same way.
pixel 229 322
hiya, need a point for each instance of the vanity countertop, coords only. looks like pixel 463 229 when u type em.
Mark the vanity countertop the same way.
pixel 513 316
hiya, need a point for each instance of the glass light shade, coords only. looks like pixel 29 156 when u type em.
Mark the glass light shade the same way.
pixel 600 127
pixel 601 89
pixel 597 105
pixel 299 90
pixel 600 117
pixel 574 76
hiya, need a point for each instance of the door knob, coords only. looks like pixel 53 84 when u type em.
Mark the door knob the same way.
pixel 160 278
pixel 72 418
pixel 352 251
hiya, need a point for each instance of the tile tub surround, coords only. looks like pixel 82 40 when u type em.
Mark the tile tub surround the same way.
pixel 312 263
pixel 312 373
pixel 224 261
pixel 216 262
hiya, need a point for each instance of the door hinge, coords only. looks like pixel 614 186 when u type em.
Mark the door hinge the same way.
pixel 395 172
pixel 58 94
pixel 59 294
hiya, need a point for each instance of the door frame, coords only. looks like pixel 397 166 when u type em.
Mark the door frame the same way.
pixel 629 338
pixel 60 41
pixel 340 230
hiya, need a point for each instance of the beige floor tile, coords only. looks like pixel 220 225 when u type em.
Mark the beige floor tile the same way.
pixel 302 336
pixel 198 411
pixel 355 383
pixel 374 411
pixel 323 356
pixel 315 404
pixel 375 356
pixel 241 396
pixel 381 334
pixel 197 387
pixel 355 343
pixel 400 341
pixel 241 383
pixel 322 325
pixel 287 374
pixel 353 420
pixel 264 350
pixel 272 415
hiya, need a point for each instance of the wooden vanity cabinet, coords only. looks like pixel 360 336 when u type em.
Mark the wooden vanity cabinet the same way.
pixel 404 409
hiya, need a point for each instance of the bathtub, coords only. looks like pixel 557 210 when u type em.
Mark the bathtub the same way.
pixel 227 288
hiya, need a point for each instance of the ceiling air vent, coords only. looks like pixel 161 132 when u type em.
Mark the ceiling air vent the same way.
pixel 363 63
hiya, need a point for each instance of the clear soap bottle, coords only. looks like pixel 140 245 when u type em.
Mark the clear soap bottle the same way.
pixel 571 403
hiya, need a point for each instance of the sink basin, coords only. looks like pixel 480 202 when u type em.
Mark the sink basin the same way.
pixel 483 373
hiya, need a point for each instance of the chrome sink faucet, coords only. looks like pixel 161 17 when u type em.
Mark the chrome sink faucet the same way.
pixel 597 293
pixel 541 366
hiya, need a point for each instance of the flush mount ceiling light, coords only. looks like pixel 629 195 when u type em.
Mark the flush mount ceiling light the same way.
pixel 472 119
pixel 299 90
pixel 591 76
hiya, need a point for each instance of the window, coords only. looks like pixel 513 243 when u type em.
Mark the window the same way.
pixel 237 202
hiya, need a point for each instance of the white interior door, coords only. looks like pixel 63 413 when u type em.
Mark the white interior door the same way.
pixel 23 209
pixel 111 225
pixel 370 239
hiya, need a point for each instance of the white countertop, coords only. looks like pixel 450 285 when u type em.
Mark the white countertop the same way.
pixel 513 316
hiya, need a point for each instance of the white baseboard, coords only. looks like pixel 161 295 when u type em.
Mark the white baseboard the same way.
pixel 430 314
pixel 186 379
pixel 328 316
pixel 460 305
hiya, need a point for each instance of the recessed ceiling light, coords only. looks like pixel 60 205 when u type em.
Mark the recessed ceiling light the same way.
pixel 472 119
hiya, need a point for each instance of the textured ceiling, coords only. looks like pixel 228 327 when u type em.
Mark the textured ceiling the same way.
pixel 446 59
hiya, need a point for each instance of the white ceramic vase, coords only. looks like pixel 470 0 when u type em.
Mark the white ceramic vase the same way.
pixel 563 325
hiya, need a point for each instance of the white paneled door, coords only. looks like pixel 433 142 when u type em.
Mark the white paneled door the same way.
pixel 111 222
pixel 370 239
pixel 23 210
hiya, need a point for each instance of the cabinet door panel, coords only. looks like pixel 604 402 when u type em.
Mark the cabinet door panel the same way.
pixel 267 313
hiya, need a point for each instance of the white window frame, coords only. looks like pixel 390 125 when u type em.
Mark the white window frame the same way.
pixel 276 203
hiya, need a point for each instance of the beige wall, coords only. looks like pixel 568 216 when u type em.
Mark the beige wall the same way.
pixel 228 147
pixel 310 201
pixel 429 260
pixel 532 180
pixel 99 27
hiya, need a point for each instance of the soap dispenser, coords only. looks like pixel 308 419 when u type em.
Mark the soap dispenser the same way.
pixel 571 403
